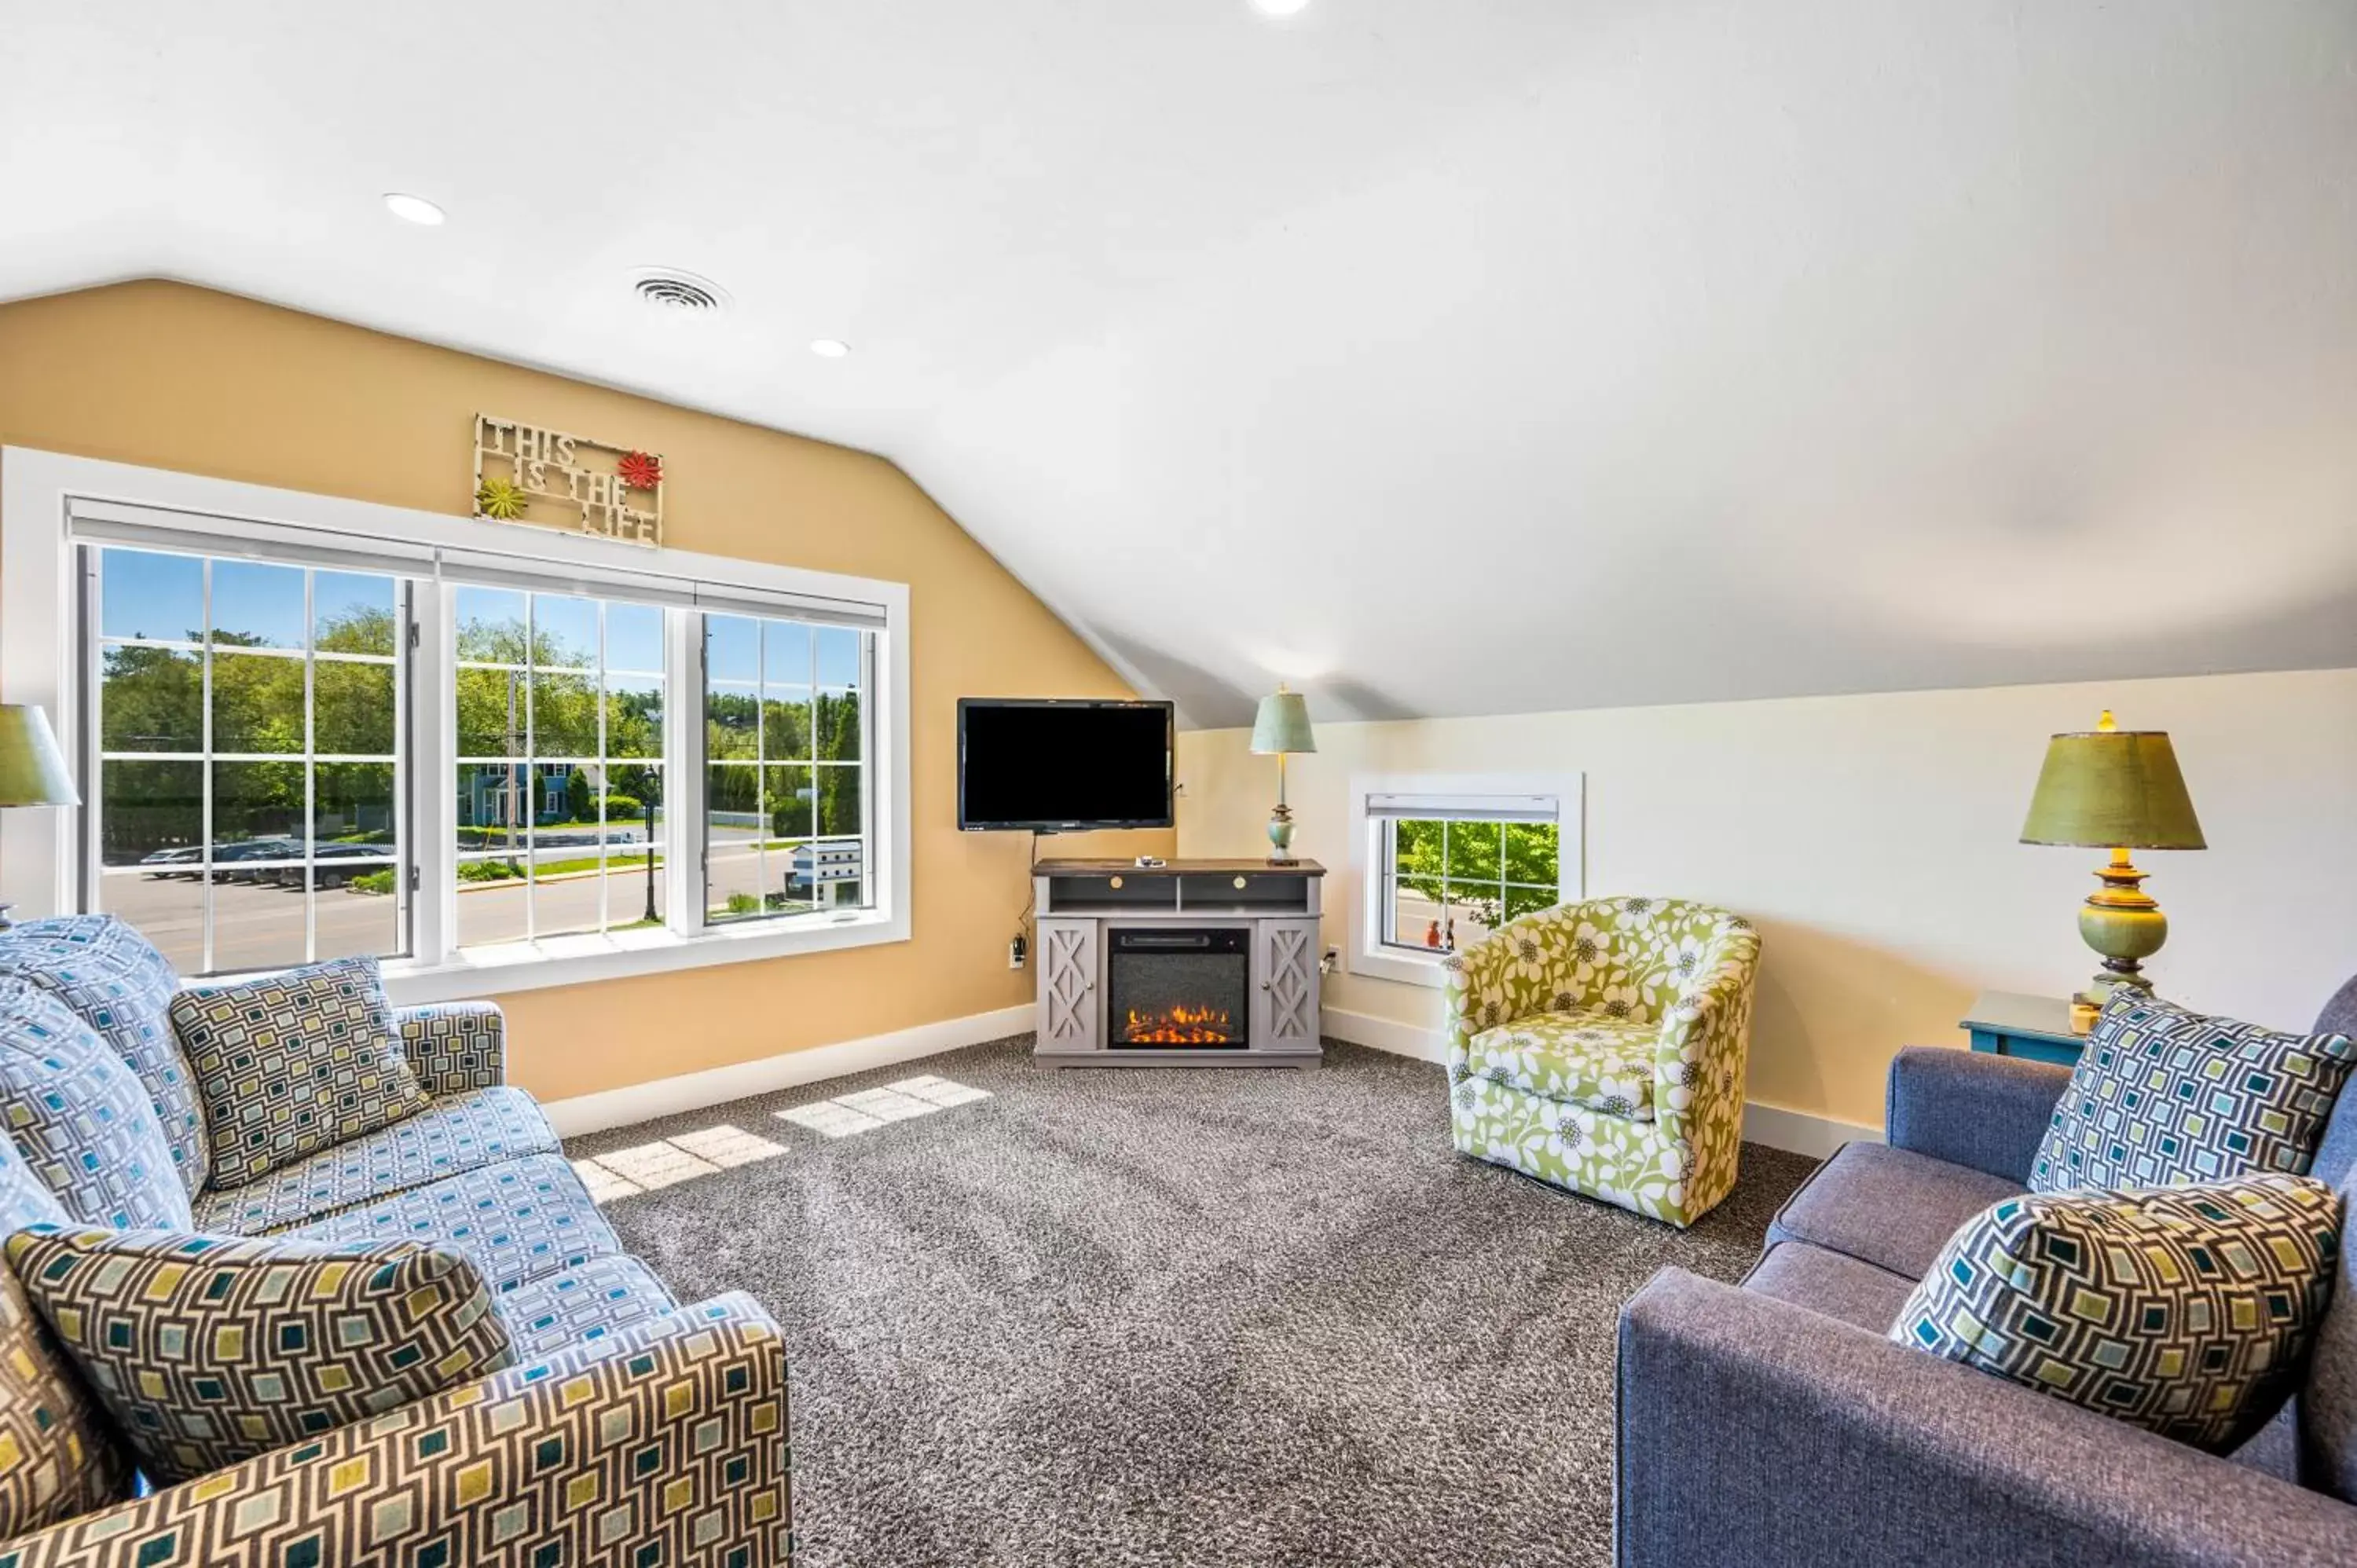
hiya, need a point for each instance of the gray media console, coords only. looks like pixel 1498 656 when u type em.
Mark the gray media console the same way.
pixel 1191 963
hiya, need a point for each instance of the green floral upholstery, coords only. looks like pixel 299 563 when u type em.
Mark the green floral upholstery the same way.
pixel 1544 1011
pixel 1606 1064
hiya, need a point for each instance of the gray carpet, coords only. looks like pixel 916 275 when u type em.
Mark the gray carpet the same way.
pixel 1179 1318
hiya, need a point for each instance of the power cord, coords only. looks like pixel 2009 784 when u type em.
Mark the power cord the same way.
pixel 1030 888
pixel 1018 951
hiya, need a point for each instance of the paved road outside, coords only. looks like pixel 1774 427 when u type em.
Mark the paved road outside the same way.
pixel 258 926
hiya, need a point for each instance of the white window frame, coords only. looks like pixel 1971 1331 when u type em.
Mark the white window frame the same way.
pixel 1458 796
pixel 40 848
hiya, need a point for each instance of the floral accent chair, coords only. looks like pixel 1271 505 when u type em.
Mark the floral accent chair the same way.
pixel 1601 1047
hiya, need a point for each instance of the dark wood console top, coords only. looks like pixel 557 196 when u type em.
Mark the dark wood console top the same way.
pixel 1176 867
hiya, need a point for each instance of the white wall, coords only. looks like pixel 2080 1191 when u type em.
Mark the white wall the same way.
pixel 1874 840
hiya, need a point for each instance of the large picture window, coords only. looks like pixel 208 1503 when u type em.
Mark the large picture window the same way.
pixel 303 727
pixel 786 824
pixel 252 722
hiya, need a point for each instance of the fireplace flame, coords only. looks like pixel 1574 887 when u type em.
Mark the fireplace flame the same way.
pixel 1181 1026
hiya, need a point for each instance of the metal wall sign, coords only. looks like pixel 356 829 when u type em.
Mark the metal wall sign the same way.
pixel 526 474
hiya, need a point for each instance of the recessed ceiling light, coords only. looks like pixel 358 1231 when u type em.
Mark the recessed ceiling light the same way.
pixel 830 347
pixel 412 208
pixel 1280 8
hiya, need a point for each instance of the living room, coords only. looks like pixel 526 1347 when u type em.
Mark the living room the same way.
pixel 1249 782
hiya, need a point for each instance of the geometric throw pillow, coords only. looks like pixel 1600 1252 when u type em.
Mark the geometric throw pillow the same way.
pixel 294 1063
pixel 209 1349
pixel 2186 1310
pixel 2162 1095
pixel 58 1457
pixel 115 981
pixel 83 1123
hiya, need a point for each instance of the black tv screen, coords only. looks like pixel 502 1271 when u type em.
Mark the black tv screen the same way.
pixel 1061 767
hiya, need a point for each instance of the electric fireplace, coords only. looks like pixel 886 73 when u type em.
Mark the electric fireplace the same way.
pixel 1193 963
pixel 1177 988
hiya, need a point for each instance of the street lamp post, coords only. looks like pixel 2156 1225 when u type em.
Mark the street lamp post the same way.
pixel 514 788
pixel 648 806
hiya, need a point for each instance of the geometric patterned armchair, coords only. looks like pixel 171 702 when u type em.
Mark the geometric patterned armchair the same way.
pixel 1601 1047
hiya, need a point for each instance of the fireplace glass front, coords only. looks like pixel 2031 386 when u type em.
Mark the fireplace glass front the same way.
pixel 1184 989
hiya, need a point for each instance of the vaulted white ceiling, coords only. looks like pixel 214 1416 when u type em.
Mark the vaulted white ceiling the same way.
pixel 1442 357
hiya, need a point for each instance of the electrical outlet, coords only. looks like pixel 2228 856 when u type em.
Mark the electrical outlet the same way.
pixel 1015 952
pixel 1332 962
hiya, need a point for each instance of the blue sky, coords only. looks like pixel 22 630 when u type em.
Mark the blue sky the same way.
pixel 157 595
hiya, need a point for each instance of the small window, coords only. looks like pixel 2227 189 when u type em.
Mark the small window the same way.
pixel 1451 880
pixel 1442 863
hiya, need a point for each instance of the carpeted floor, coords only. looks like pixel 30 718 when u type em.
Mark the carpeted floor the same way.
pixel 1207 1317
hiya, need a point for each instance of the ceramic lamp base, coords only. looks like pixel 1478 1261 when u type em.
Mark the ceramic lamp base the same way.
pixel 2122 923
pixel 1280 836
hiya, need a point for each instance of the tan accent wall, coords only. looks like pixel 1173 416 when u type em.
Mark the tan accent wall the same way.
pixel 175 377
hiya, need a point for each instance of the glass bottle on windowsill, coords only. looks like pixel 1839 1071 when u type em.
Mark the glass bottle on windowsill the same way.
pixel 1432 935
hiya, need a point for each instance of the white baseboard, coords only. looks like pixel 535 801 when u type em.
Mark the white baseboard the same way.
pixel 1383 1034
pixel 719 1085
pixel 1801 1132
pixel 1797 1131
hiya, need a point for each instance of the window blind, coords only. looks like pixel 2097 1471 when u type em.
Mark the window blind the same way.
pixel 187 533
pixel 1465 807
pixel 184 534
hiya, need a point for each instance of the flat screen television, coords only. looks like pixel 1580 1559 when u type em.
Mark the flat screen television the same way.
pixel 1061 766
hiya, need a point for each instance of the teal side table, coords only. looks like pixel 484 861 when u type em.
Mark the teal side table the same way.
pixel 2011 1025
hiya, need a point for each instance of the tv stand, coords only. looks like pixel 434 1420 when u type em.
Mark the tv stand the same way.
pixel 1191 964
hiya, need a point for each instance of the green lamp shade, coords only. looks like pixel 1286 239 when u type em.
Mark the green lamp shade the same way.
pixel 32 769
pixel 1281 725
pixel 2112 789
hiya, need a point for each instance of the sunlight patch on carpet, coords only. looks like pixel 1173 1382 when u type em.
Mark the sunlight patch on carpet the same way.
pixel 667 1161
pixel 869 1109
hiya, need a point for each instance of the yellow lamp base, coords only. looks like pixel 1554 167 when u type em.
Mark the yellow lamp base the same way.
pixel 2121 922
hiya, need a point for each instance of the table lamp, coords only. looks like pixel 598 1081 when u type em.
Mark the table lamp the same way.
pixel 1281 727
pixel 32 769
pixel 2118 790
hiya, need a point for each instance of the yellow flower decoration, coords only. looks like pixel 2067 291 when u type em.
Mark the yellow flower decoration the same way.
pixel 498 499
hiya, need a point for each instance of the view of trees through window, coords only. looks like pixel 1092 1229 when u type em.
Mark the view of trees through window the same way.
pixel 785 746
pixel 255 750
pixel 250 725
pixel 560 771
pixel 1449 881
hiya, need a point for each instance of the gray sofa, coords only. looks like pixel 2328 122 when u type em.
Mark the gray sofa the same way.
pixel 1770 1424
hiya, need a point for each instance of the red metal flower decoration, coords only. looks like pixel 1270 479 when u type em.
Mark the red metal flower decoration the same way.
pixel 641 470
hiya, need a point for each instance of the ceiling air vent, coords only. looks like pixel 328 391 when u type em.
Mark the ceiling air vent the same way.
pixel 667 288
